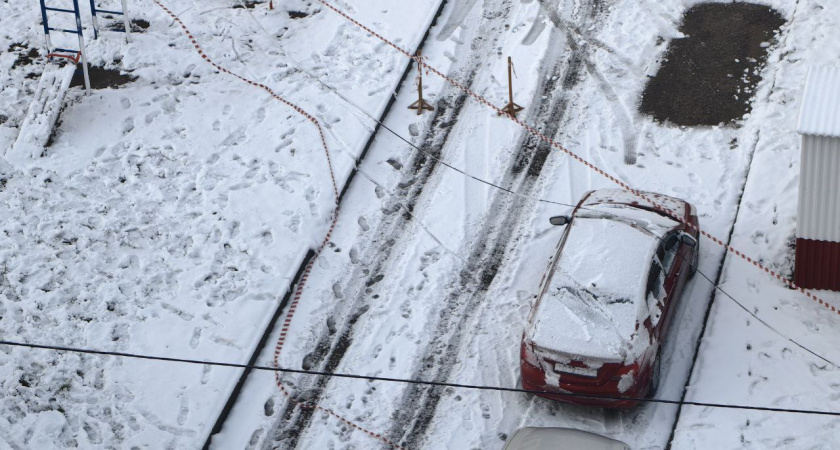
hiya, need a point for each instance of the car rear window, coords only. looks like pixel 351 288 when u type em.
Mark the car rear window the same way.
pixel 596 295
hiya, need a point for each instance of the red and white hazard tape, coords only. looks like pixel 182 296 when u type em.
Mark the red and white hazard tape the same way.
pixel 586 163
pixel 302 283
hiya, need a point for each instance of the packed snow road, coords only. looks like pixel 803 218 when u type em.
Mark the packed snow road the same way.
pixel 431 273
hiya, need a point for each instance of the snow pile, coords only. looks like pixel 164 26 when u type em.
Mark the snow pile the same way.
pixel 43 112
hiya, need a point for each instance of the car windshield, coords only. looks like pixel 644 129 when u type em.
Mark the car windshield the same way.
pixel 650 221
pixel 597 291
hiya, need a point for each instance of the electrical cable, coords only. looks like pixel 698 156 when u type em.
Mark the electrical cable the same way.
pixel 410 381
pixel 462 385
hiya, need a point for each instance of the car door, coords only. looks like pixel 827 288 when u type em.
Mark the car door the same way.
pixel 671 255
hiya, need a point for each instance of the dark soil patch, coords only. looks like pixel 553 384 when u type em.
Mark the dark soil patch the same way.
pixel 137 26
pixel 101 78
pixel 250 4
pixel 708 77
pixel 297 14
pixel 25 58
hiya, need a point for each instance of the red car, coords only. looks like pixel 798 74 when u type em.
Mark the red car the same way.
pixel 608 298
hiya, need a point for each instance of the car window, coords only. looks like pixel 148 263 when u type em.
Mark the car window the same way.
pixel 655 291
pixel 667 251
pixel 656 280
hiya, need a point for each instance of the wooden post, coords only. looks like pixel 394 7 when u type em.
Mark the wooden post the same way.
pixel 420 104
pixel 270 4
pixel 511 108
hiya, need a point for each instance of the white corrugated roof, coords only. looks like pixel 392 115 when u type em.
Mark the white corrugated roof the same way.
pixel 820 111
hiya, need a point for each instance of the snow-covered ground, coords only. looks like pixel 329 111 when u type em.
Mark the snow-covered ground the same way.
pixel 742 360
pixel 169 216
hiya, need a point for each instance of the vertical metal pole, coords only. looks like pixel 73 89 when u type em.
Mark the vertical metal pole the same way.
pixel 510 80
pixel 92 16
pixel 126 22
pixel 420 88
pixel 46 26
pixel 420 84
pixel 82 51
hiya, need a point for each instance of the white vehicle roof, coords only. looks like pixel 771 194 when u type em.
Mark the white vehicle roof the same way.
pixel 596 295
pixel 531 438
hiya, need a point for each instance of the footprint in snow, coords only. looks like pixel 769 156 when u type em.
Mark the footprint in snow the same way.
pixel 363 224
pixel 268 407
pixel 267 237
pixel 196 338
pixel 310 197
pixel 185 410
pixel 234 229
pixel 239 186
pixel 205 374
pixel 294 221
pixel 128 125
pixel 151 117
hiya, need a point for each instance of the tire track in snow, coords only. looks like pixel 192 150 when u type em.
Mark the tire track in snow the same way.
pixel 416 410
pixel 335 336
pixel 628 131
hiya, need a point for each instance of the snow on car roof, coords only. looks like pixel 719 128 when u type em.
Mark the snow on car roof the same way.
pixel 596 295
pixel 623 196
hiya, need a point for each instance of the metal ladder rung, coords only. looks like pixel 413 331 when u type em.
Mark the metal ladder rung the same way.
pixel 49 8
pixel 119 13
pixel 63 30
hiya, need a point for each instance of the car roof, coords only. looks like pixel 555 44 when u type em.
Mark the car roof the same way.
pixel 663 204
pixel 532 438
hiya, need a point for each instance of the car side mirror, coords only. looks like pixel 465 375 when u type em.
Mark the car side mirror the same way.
pixel 688 240
pixel 559 220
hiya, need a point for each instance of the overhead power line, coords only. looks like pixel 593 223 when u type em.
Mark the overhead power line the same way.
pixel 409 381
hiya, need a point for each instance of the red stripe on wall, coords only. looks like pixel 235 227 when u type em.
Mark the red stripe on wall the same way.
pixel 817 264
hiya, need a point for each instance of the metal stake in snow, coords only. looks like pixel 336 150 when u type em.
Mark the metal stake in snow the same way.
pixel 70 54
pixel 511 108
pixel 420 104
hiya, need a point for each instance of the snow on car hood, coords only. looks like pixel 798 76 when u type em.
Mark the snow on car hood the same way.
pixel 595 297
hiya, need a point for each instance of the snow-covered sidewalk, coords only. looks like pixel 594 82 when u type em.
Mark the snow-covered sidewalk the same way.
pixel 169 215
pixel 748 360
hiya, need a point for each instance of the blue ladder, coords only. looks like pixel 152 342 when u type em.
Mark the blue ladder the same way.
pixel 123 13
pixel 72 55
